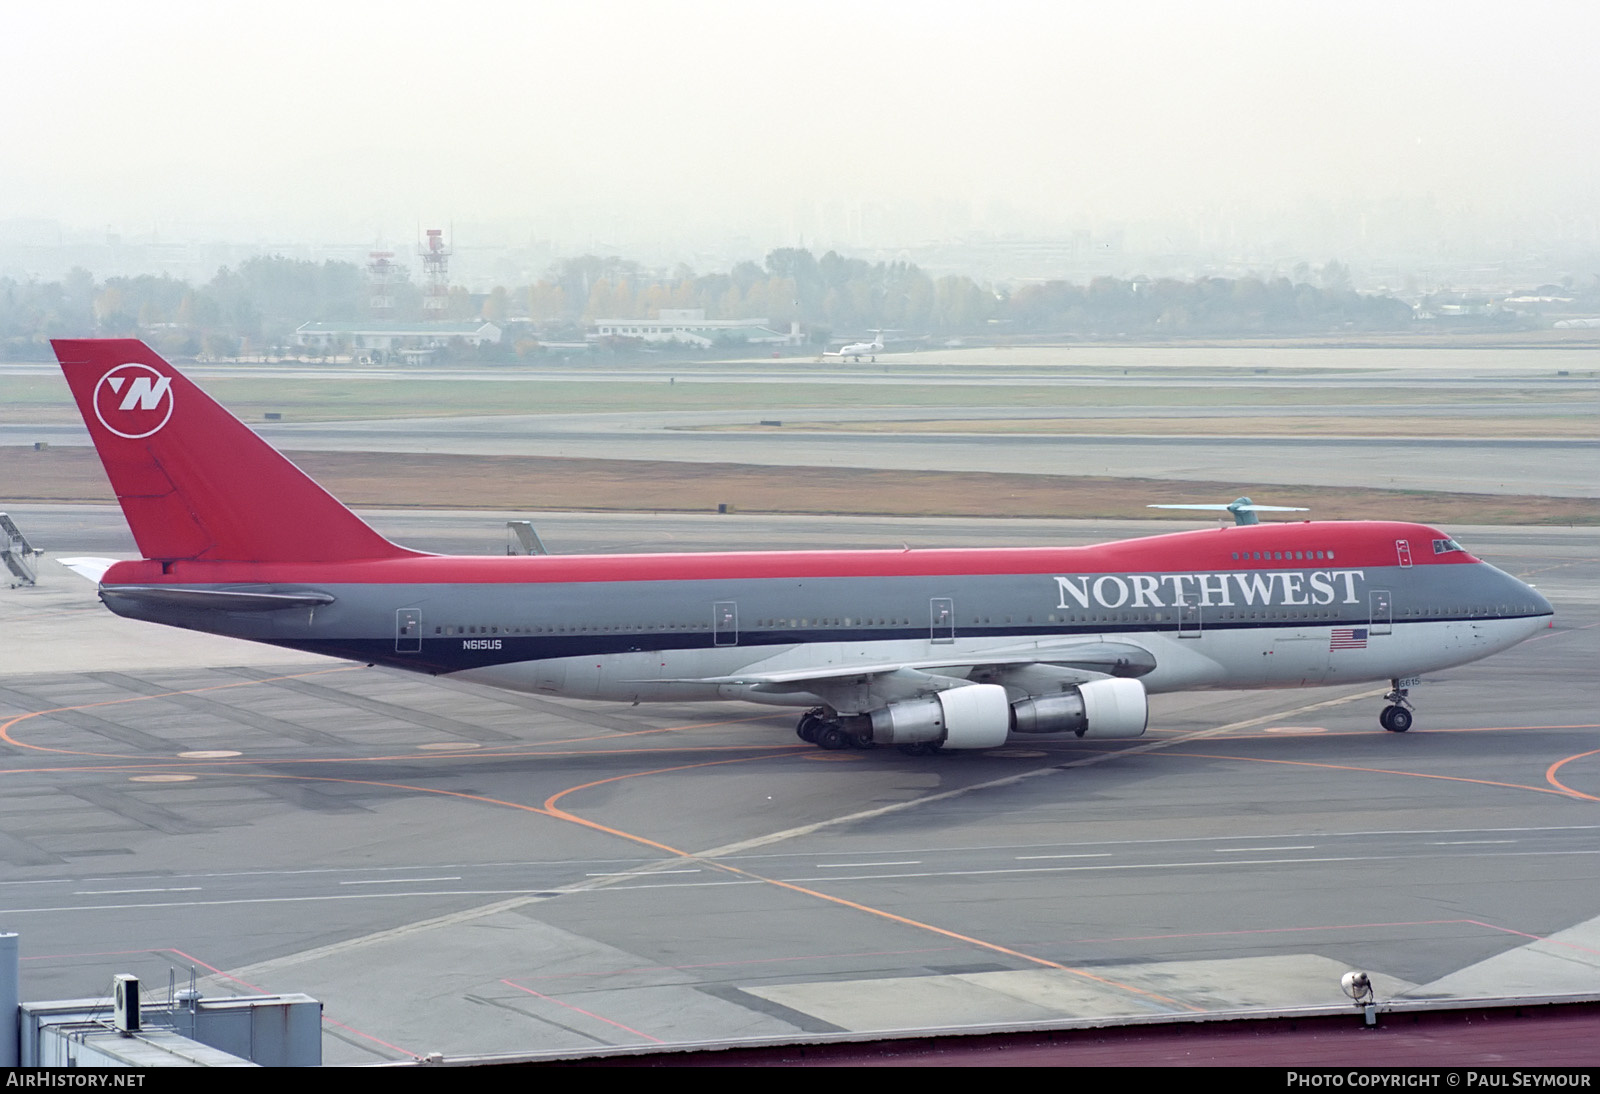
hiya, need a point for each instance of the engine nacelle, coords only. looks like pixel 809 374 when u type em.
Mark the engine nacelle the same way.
pixel 973 716
pixel 1100 708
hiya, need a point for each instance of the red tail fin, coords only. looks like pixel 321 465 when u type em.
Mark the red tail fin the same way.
pixel 193 480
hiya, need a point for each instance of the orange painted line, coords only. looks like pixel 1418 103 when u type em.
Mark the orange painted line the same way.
pixel 214 970
pixel 264 991
pixel 385 786
pixel 5 728
pixel 552 809
pixel 580 1010
pixel 1057 747
pixel 920 951
pixel 1550 775
pixel 646 732
pixel 1249 931
pixel 370 1037
pixel 1378 771
pixel 555 810
pixel 959 937
pixel 1368 733
pixel 244 761
pixel 549 809
pixel 1536 937
pixel 91 953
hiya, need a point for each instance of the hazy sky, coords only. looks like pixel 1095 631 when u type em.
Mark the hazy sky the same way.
pixel 599 119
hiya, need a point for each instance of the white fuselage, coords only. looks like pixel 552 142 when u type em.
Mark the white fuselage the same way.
pixel 1280 657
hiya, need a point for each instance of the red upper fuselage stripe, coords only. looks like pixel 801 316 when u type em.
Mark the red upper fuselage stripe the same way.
pixel 1352 544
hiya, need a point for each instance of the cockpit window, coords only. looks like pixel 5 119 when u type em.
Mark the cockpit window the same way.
pixel 1445 546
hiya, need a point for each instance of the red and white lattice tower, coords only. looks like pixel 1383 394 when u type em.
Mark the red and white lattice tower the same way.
pixel 435 275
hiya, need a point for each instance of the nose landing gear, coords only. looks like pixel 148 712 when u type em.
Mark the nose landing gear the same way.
pixel 1396 717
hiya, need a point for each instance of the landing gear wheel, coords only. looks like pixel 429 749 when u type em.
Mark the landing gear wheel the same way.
pixel 832 738
pixel 1397 716
pixel 810 722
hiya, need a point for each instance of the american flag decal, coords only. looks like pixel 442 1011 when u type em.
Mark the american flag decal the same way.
pixel 1348 638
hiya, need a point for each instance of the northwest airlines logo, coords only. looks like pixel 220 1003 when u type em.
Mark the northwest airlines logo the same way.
pixel 133 400
pixel 1225 590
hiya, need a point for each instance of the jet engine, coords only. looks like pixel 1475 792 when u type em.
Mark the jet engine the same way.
pixel 974 716
pixel 1100 708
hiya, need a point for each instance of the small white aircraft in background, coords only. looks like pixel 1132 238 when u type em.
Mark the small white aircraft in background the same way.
pixel 858 350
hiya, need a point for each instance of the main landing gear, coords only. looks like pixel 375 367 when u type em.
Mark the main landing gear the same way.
pixel 821 727
pixel 1396 717
pixel 818 727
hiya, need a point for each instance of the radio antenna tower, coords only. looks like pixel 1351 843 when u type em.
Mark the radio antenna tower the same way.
pixel 435 274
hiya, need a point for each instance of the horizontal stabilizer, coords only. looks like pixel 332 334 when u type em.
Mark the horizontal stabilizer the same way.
pixel 92 568
pixel 222 600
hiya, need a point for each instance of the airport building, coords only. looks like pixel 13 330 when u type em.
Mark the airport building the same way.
pixel 690 326
pixel 383 338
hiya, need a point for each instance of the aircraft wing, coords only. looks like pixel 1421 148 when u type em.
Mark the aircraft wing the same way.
pixel 1092 658
pixel 1038 668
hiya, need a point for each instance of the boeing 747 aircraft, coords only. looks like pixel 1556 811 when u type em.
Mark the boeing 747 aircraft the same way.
pixel 924 649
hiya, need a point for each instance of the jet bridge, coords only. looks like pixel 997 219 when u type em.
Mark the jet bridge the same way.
pixel 16 551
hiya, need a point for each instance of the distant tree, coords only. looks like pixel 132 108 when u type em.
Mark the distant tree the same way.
pixel 961 306
pixel 799 266
pixel 547 302
pixel 1335 276
pixel 746 274
pixel 458 305
pixel 599 302
pixel 109 314
pixel 577 276
pixel 497 306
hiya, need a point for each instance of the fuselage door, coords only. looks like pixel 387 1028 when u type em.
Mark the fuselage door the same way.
pixel 1189 617
pixel 942 619
pixel 408 630
pixel 1402 548
pixel 725 623
pixel 1382 611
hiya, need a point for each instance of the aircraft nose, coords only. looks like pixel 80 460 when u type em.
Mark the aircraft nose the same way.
pixel 1540 604
pixel 1527 594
